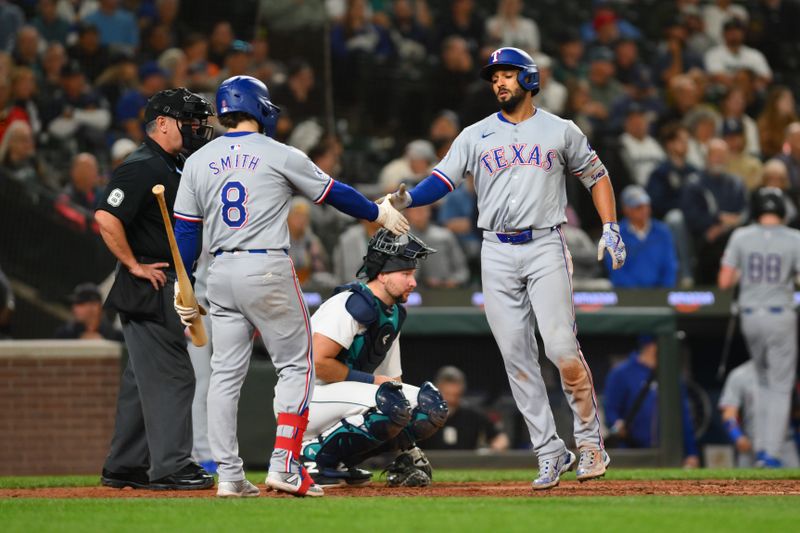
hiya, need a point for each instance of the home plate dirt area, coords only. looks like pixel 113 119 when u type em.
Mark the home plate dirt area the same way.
pixel 747 487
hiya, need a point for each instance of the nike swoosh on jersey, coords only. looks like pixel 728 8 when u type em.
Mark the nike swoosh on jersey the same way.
pixel 484 135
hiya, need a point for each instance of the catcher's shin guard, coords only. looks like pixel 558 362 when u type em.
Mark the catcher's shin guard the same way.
pixel 427 418
pixel 350 442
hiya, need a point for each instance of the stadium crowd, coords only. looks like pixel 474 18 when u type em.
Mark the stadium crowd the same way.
pixel 687 101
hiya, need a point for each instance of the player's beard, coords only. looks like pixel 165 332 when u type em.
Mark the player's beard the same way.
pixel 516 98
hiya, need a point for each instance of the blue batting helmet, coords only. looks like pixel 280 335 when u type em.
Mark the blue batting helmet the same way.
pixel 516 58
pixel 246 94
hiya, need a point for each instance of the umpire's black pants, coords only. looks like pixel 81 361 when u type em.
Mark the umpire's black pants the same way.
pixel 154 409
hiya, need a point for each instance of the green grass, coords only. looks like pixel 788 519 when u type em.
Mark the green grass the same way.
pixel 461 475
pixel 652 514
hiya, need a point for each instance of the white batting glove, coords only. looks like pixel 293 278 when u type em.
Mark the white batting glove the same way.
pixel 390 218
pixel 185 313
pixel 612 242
pixel 400 199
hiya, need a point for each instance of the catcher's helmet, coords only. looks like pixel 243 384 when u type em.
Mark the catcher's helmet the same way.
pixel 769 200
pixel 246 94
pixel 388 253
pixel 514 57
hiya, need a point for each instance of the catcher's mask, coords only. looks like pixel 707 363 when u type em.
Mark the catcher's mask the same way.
pixel 388 253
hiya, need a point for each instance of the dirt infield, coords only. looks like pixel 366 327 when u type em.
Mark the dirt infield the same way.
pixel 469 490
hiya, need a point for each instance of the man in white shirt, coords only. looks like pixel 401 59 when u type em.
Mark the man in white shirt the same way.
pixel 641 153
pixel 724 60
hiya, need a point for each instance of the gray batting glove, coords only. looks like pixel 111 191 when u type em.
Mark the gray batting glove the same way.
pixel 400 199
pixel 185 313
pixel 390 218
pixel 612 242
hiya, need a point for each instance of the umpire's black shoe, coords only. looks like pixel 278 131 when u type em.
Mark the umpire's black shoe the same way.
pixel 137 479
pixel 190 477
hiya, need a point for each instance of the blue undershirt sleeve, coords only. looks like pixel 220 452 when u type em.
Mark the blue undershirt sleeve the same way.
pixel 351 202
pixel 187 237
pixel 428 191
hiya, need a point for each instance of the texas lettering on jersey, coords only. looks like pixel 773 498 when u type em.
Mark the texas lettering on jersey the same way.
pixel 500 157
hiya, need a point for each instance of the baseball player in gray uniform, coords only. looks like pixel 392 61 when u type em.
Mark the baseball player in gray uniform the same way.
pixel 519 159
pixel 735 404
pixel 239 188
pixel 360 408
pixel 764 258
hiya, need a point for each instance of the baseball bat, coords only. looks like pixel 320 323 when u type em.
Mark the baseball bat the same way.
pixel 197 332
pixel 730 331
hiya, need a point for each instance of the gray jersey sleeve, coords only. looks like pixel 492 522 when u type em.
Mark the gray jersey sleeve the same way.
pixel 581 159
pixel 733 392
pixel 186 205
pixel 307 177
pixel 452 169
pixel 733 251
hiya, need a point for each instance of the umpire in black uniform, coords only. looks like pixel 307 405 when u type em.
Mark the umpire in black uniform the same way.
pixel 152 441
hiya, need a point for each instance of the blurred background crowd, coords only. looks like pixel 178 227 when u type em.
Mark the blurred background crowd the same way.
pixel 691 105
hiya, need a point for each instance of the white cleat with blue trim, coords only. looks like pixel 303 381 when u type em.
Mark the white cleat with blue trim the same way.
pixel 550 470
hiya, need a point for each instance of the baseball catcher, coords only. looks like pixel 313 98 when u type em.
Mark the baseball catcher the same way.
pixel 360 407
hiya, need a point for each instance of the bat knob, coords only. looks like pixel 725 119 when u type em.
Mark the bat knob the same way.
pixel 158 189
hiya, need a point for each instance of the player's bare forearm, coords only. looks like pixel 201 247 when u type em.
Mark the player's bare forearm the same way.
pixel 327 367
pixel 603 198
pixel 113 233
pixel 729 412
pixel 727 277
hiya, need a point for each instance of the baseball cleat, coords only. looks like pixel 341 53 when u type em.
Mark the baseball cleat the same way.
pixel 763 460
pixel 550 470
pixel 294 483
pixel 592 464
pixel 338 477
pixel 237 489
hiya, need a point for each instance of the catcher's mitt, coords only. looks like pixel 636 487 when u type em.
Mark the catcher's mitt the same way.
pixel 409 469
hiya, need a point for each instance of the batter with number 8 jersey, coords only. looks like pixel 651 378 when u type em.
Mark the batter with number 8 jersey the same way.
pixel 765 257
pixel 239 187
pixel 519 159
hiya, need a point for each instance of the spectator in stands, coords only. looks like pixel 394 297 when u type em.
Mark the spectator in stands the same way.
pixel 737 410
pixel 445 127
pixel 639 151
pixel 552 95
pixel 773 31
pixel 454 74
pixel 155 41
pixel 459 214
pixel 26 48
pixel 53 60
pixel 7 305
pixel 718 13
pixel 604 89
pixel 673 56
pixel 92 56
pixel 77 201
pixel 18 160
pixel 652 261
pixel 411 29
pixel 117 26
pixel 414 165
pixel 510 28
pixel 702 123
pixel 723 60
pixel 697 40
pixel 467 428
pixel 741 162
pixel 665 188
pixel 629 70
pixel 306 250
pixel 73 11
pixel 23 91
pixel 462 20
pixel 78 116
pixel 606 27
pixel 202 72
pixel 238 60
pixel 219 42
pixel 776 175
pixel 49 24
pixel 713 207
pixel 791 158
pixel 11 20
pixel 450 268
pixel 88 321
pixel 10 112
pixel 121 149
pixel 780 110
pixel 297 94
pixel 630 398
pixel 348 256
pixel 684 95
pixel 167 12
pixel 130 108
pixel 121 76
pixel 570 65
pixel 733 106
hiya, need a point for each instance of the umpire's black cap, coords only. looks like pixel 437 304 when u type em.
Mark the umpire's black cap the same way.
pixel 178 103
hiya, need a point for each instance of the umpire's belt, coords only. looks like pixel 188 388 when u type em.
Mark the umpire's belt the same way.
pixel 517 237
pixel 256 251
pixel 772 310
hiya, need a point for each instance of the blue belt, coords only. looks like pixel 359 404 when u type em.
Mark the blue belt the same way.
pixel 773 310
pixel 258 251
pixel 521 237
